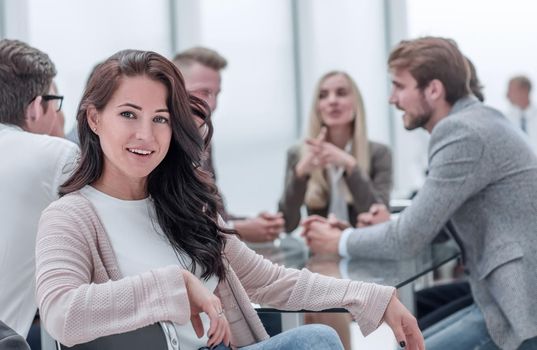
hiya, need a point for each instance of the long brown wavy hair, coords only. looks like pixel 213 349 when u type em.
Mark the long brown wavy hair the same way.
pixel 185 197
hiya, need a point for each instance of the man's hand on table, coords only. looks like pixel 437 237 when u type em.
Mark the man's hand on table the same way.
pixel 265 227
pixel 322 234
pixel 377 213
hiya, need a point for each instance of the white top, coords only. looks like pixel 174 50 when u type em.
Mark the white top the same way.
pixel 32 167
pixel 140 245
pixel 528 118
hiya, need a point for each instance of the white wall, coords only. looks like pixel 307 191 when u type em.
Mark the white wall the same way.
pixel 79 34
pixel 255 115
pixel 347 35
pixel 497 35
pixel 256 119
pixel 255 122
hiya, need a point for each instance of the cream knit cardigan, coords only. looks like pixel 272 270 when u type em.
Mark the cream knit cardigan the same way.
pixel 82 295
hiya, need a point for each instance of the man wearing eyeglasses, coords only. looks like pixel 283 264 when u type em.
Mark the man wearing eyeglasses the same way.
pixel 33 166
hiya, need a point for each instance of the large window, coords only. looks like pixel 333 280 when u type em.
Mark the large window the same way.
pixel 498 36
pixel 79 34
pixel 277 50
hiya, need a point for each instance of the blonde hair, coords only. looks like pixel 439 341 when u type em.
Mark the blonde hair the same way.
pixel 317 192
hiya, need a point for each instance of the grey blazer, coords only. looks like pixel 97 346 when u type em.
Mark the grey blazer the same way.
pixel 366 189
pixel 482 176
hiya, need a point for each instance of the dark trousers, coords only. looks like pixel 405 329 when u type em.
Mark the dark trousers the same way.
pixel 436 303
pixel 272 321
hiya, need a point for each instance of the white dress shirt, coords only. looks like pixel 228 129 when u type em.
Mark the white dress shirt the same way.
pixel 528 119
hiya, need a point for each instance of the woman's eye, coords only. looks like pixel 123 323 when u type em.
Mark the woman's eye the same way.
pixel 342 92
pixel 161 120
pixel 127 115
pixel 323 94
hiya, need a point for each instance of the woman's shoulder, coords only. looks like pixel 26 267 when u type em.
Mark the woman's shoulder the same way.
pixel 73 205
pixel 293 152
pixel 71 217
pixel 377 147
pixel 295 149
pixel 379 151
pixel 73 200
pixel 380 156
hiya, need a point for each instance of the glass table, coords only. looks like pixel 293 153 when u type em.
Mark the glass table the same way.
pixel 291 251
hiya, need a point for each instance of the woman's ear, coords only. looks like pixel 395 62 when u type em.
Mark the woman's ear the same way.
pixel 93 117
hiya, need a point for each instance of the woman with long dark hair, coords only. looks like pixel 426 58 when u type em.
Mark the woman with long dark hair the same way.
pixel 136 238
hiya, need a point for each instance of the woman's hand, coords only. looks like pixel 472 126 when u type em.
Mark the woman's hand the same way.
pixel 331 154
pixel 202 300
pixel 311 160
pixel 404 325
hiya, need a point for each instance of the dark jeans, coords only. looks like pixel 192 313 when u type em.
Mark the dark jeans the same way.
pixel 436 303
pixel 272 321
pixel 34 335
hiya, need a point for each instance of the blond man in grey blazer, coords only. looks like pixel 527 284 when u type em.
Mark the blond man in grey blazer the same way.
pixel 482 182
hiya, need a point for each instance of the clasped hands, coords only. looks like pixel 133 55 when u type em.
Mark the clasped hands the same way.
pixel 265 227
pixel 321 153
pixel 323 234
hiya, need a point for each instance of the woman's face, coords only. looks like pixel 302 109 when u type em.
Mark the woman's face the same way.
pixel 134 129
pixel 336 103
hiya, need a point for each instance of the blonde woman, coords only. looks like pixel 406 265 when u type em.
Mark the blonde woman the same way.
pixel 337 169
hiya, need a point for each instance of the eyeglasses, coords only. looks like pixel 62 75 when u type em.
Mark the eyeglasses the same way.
pixel 54 97
pixel 51 98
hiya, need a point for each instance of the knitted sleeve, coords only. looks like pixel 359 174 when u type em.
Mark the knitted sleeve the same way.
pixel 78 299
pixel 291 289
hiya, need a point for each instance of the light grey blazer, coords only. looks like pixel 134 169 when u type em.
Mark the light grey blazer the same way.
pixel 482 176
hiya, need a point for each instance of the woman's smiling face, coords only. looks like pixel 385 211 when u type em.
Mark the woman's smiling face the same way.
pixel 134 129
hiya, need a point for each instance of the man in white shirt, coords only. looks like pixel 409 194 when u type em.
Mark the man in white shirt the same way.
pixel 33 166
pixel 201 68
pixel 522 113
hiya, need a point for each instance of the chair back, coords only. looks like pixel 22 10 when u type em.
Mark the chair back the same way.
pixel 149 337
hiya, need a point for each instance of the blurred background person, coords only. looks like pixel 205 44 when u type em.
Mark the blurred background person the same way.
pixel 336 169
pixel 201 68
pixel 522 112
pixel 33 167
